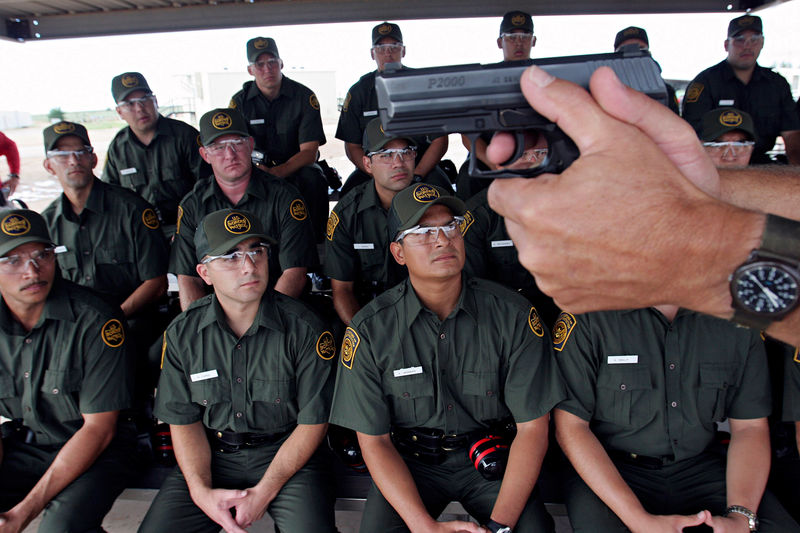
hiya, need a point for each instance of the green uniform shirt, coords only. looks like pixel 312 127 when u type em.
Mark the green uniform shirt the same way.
pixel 280 126
pixel 357 243
pixel 791 388
pixel 655 388
pixel 75 360
pixel 402 367
pixel 277 375
pixel 276 203
pixel 767 98
pixel 113 246
pixel 161 172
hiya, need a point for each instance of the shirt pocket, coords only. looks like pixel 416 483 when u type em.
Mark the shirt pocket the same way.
pixel 482 395
pixel 372 262
pixel 7 387
pixel 68 262
pixel 134 180
pixel 274 403
pixel 410 398
pixel 59 393
pixel 715 384
pixel 624 395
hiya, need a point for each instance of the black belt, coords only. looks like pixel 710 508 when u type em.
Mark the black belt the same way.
pixel 642 460
pixel 230 441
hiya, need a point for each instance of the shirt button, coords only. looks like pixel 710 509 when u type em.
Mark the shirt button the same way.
pixel 239 414
pixel 406 395
pixel 672 366
pixel 27 375
pixel 238 346
pixel 674 404
pixel 27 409
pixel 55 391
pixel 114 261
pixel 205 402
pixel 83 227
pixel 88 278
pixel 623 387
pixel 277 400
pixel 442 336
pixel 86 252
pixel 489 393
pixel 28 341
pixel 449 406
pixel 238 380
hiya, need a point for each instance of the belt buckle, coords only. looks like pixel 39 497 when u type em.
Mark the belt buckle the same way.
pixel 449 448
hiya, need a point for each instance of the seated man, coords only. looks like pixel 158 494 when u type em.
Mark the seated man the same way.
pixel 433 366
pixel 645 389
pixel 361 106
pixel 66 373
pixel 245 385
pixel 226 146
pixel 728 136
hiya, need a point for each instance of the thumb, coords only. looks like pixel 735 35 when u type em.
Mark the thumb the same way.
pixel 696 519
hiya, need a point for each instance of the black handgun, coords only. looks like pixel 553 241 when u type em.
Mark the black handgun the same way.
pixel 475 99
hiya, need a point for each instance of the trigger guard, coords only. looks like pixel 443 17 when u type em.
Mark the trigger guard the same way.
pixel 519 147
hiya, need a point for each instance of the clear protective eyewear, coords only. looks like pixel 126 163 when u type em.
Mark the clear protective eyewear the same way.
pixel 62 156
pixel 390 48
pixel 218 148
pixel 130 103
pixel 18 263
pixel 753 40
pixel 236 259
pixel 265 64
pixel 733 148
pixel 421 235
pixel 517 37
pixel 388 156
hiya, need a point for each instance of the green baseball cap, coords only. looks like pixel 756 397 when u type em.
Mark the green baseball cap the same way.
pixel 222 121
pixel 743 23
pixel 516 20
pixel 375 138
pixel 126 83
pixel 21 226
pixel 724 119
pixel 386 29
pixel 410 204
pixel 261 45
pixel 222 230
pixel 54 132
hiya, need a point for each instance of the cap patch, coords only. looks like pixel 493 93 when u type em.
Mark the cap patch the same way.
pixel 535 323
pixel 730 119
pixel 221 121
pixel 260 44
pixel 312 100
pixel 112 333
pixel 425 193
pixel 129 81
pixel 237 223
pixel 562 329
pixel 178 223
pixel 518 20
pixel 15 225
pixel 693 92
pixel 346 104
pixel 326 346
pixel 150 219
pixel 298 210
pixel 745 21
pixel 468 220
pixel 631 31
pixel 349 347
pixel 330 229
pixel 384 29
pixel 64 127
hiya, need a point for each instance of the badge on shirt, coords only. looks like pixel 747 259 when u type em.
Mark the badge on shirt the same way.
pixel 150 219
pixel 298 209
pixel 112 333
pixel 371 113
pixel 330 229
pixel 503 244
pixel 630 359
pixel 326 346
pixel 346 104
pixel 410 371
pixel 796 355
pixel 349 347
pixel 128 171
pixel 256 121
pixel 693 92
pixel 562 329
pixel 202 376
pixel 363 246
pixel 468 220
pixel 725 103
pixel 535 323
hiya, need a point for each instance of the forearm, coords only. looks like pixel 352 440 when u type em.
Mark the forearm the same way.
pixel 393 479
pixel 355 154
pixel 145 294
pixel 293 454
pixel 193 454
pixel 292 281
pixel 524 464
pixel 791 141
pixel 293 164
pixel 748 464
pixel 769 189
pixel 344 300
pixel 432 156
pixel 190 288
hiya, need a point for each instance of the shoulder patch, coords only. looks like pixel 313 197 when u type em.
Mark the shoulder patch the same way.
pixel 178 223
pixel 468 220
pixel 298 209
pixel 232 104
pixel 163 349
pixel 796 355
pixel 313 102
pixel 150 219
pixel 562 329
pixel 326 346
pixel 346 104
pixel 333 221
pixel 349 347
pixel 113 333
pixel 693 92
pixel 535 323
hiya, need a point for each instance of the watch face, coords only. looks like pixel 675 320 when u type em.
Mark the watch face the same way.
pixel 765 288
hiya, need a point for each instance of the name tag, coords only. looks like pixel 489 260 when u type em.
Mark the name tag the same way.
pixel 363 246
pixel 200 376
pixel 623 359
pixel 257 121
pixel 126 171
pixel 725 103
pixel 371 113
pixel 502 244
pixel 410 371
pixel 60 249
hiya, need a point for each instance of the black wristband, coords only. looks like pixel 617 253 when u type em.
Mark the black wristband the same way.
pixel 496 527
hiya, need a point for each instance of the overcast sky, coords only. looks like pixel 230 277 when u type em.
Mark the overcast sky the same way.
pixel 75 74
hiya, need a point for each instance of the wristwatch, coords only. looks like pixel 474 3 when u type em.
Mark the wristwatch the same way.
pixel 752 519
pixel 766 287
pixel 496 527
